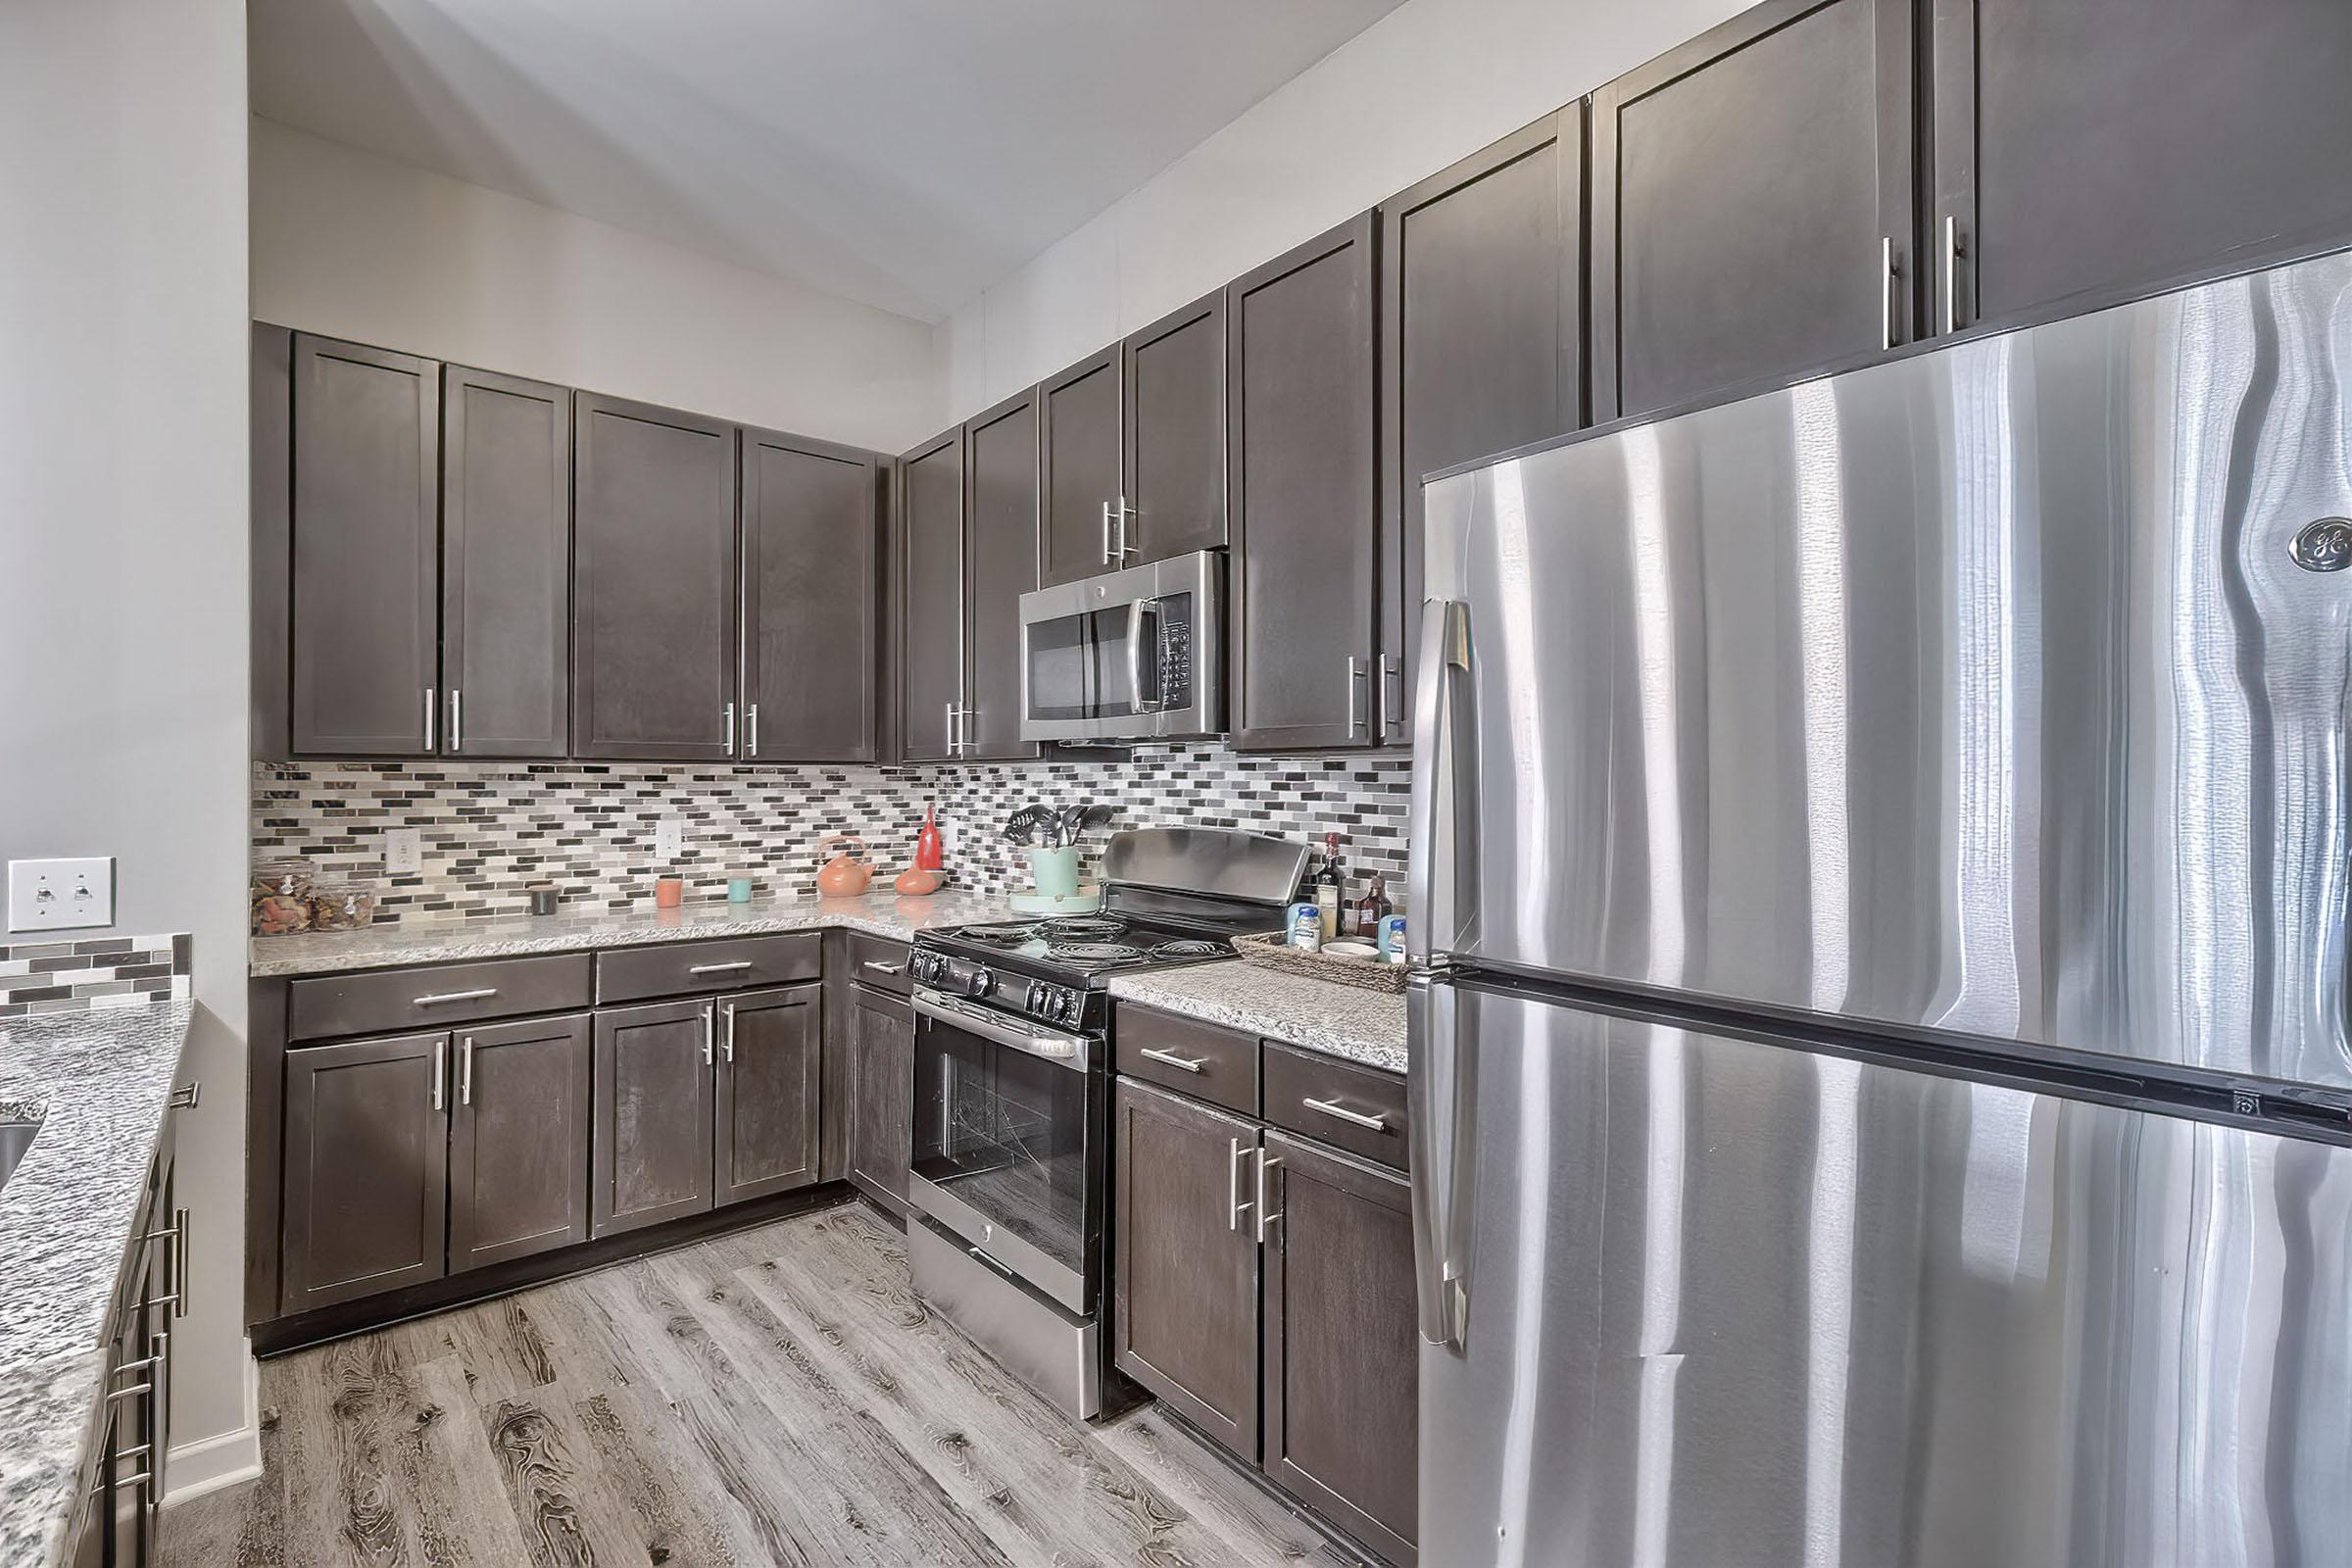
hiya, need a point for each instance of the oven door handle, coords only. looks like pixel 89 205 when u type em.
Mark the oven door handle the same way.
pixel 1068 1051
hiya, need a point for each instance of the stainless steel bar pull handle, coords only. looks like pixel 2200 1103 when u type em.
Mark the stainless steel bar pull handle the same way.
pixel 729 711
pixel 185 1096
pixel 1355 693
pixel 465 1072
pixel 718 968
pixel 1124 549
pixel 1886 292
pixel 1107 533
pixel 183 1254
pixel 438 996
pixel 1953 250
pixel 1170 1059
pixel 751 731
pixel 432 711
pixel 879 967
pixel 709 1038
pixel 1233 1186
pixel 457 720
pixel 1265 1216
pixel 729 1046
pixel 440 1070
pixel 1332 1108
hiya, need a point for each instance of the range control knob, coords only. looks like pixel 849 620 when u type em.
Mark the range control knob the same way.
pixel 981 982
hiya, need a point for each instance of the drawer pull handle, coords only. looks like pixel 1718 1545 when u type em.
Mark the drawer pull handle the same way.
pixel 879 967
pixel 1180 1063
pixel 720 968
pixel 1328 1108
pixel 440 997
pixel 185 1096
pixel 132 1392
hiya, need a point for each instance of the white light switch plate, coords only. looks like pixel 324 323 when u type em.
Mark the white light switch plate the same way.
pixel 404 850
pixel 669 839
pixel 61 895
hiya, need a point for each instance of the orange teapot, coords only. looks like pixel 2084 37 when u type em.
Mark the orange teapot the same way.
pixel 846 875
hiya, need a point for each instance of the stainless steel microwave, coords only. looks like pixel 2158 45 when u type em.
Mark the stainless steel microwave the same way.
pixel 1134 654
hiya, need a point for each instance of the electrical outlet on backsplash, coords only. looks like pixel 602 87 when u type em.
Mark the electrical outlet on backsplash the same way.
pixel 490 829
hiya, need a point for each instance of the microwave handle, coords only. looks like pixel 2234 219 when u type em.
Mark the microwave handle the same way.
pixel 1138 610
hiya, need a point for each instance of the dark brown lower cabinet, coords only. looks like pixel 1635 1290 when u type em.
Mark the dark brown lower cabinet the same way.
pixel 519 1140
pixel 771 1045
pixel 1186 1279
pixel 1343 1380
pixel 881 1094
pixel 650 1150
pixel 366 1168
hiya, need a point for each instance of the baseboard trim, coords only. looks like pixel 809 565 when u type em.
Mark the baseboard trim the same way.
pixel 206 1464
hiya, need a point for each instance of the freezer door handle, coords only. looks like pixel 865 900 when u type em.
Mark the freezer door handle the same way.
pixel 1441 1097
pixel 1443 823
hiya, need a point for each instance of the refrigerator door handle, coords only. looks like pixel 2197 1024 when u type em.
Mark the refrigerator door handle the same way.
pixel 1444 821
pixel 1442 1095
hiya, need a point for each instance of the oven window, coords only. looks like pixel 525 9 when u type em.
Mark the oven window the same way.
pixel 1078 667
pixel 1007 1133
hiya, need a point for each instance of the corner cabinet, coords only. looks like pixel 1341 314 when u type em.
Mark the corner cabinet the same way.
pixel 1752 206
pixel 811 606
pixel 1302 423
pixel 653 584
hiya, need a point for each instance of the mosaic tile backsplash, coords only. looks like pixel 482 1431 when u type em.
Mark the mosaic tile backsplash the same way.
pixel 68 977
pixel 489 829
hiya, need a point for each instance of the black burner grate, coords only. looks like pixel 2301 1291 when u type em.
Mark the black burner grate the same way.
pixel 1084 927
pixel 1092 954
pixel 1187 948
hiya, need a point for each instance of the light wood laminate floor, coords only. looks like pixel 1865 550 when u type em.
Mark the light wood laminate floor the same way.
pixel 778 1396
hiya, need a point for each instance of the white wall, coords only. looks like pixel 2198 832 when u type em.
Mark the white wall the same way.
pixel 122 548
pixel 1431 82
pixel 357 246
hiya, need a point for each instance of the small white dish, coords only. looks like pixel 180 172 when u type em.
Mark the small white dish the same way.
pixel 1352 950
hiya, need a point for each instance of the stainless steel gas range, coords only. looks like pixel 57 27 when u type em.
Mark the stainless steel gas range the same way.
pixel 1011 1172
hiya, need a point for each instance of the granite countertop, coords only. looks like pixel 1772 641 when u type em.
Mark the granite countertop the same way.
pixel 393 945
pixel 1366 1026
pixel 100 1084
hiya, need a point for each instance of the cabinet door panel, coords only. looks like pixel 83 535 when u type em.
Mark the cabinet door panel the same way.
pixel 2102 148
pixel 654 636
pixel 367 544
pixel 771 1050
pixel 1078 460
pixel 519 1140
pixel 1483 340
pixel 1000 551
pixel 931 611
pixel 812 582
pixel 1185 1296
pixel 1343 1351
pixel 1300 408
pixel 882 1094
pixel 1746 190
pixel 1175 428
pixel 652 1147
pixel 506 565
pixel 366 1168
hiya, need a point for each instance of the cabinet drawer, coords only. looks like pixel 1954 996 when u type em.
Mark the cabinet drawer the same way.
pixel 1333 1101
pixel 693 968
pixel 395 1000
pixel 879 962
pixel 1186 1055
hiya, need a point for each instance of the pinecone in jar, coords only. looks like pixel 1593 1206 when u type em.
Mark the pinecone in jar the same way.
pixel 282 897
pixel 342 906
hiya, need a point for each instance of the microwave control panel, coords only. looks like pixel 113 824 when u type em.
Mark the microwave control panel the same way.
pixel 1175 652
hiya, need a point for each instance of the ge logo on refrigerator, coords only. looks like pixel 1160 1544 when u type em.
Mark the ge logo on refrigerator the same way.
pixel 2324 545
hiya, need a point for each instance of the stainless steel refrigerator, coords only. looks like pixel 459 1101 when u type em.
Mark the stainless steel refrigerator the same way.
pixel 1881 1087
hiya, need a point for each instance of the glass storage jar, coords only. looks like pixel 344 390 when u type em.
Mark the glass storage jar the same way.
pixel 342 906
pixel 281 895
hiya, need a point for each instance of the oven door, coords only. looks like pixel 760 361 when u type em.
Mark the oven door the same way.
pixel 1010 1126
pixel 1133 654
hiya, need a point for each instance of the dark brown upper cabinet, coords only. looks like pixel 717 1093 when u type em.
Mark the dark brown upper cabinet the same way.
pixel 930 640
pixel 365 551
pixel 366 1168
pixel 1079 484
pixel 654 596
pixel 519 1140
pixel 1482 344
pixel 1301 419
pixel 810 566
pixel 650 1147
pixel 770 1049
pixel 271 442
pixel 1342 1359
pixel 1751 203
pixel 506 565
pixel 2087 151
pixel 1184 1285
pixel 1001 531
pixel 1175 434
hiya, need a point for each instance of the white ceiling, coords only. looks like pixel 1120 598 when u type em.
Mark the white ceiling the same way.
pixel 903 153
